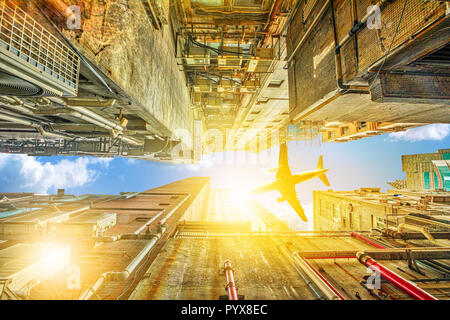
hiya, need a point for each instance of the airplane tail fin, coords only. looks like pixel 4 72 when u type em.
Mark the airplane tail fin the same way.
pixel 322 177
pixel 320 163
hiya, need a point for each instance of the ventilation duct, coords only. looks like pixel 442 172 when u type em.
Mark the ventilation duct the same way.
pixel 33 62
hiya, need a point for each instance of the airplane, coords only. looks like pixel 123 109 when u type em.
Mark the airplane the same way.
pixel 285 181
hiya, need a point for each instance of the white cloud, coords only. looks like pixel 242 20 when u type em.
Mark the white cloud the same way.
pixel 430 132
pixel 131 160
pixel 41 177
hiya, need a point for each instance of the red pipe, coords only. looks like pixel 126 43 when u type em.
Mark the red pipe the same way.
pixel 401 283
pixel 324 280
pixel 353 234
pixel 231 286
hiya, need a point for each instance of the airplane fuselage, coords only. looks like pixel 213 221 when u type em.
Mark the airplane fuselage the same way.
pixel 287 181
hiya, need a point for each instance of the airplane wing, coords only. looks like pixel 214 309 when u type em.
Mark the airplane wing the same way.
pixel 295 204
pixel 272 186
pixel 283 158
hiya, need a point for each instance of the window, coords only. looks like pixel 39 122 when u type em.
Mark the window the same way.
pixel 445 174
pixel 380 223
pixel 275 83
pixel 350 220
pixel 436 181
pixel 426 180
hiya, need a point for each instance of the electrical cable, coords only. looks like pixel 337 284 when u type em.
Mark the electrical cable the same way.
pixel 218 51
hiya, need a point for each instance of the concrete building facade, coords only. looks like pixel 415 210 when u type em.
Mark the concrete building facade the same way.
pixel 368 208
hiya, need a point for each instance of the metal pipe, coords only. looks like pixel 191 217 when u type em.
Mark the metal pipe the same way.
pixel 322 284
pixel 353 234
pixel 231 286
pixel 271 19
pixel 77 102
pixel 402 226
pixel 413 235
pixel 346 254
pixel 361 23
pixel 410 288
pixel 34 125
pixel 98 120
pixel 310 29
pixel 88 293
pixel 97 117
pixel 406 253
pixel 122 275
pixel 338 62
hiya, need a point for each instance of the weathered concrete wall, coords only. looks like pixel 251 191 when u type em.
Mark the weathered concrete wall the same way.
pixel 121 39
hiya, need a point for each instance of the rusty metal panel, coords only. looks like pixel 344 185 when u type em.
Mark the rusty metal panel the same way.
pixel 374 43
pixel 314 67
pixel 391 87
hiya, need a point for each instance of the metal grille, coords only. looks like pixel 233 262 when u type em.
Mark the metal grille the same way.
pixel 418 14
pixel 212 235
pixel 26 39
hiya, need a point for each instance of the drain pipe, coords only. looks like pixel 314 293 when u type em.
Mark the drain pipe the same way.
pixel 36 126
pixel 112 275
pixel 402 226
pixel 88 113
pixel 322 284
pixel 356 235
pixel 96 119
pixel 364 89
pixel 121 275
pixel 410 288
pixel 231 286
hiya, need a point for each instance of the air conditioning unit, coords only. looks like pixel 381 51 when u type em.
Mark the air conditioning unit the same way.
pixel 33 62
pixel 250 85
pixel 202 85
pixel 214 101
pixel 261 61
pixel 230 58
pixel 226 86
pixel 198 57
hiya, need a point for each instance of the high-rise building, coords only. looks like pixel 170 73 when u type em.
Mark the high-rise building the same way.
pixel 427 171
pixel 185 241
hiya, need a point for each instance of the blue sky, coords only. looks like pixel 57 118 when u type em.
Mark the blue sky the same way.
pixel 369 162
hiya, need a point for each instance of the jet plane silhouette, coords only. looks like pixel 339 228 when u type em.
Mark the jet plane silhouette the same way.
pixel 285 181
